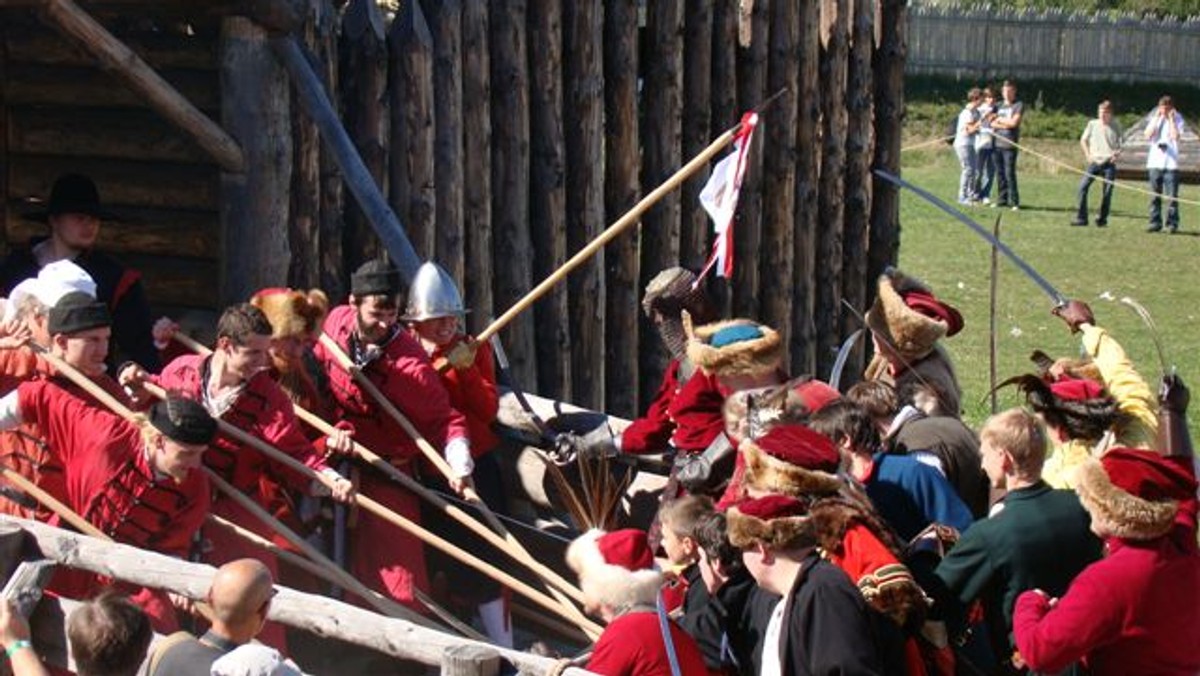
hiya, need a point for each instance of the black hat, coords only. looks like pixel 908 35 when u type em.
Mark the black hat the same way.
pixel 72 194
pixel 375 278
pixel 77 312
pixel 183 420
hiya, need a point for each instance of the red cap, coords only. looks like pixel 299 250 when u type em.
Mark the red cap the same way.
pixel 925 303
pixel 1077 389
pixel 770 507
pixel 1150 476
pixel 800 446
pixel 816 395
pixel 627 548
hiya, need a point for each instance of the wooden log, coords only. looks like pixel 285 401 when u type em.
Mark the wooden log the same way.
pixel 698 50
pixel 860 142
pixel 13 543
pixel 808 169
pixel 410 77
pixel 366 192
pixel 662 152
pixel 161 50
pixel 583 37
pixel 779 169
pixel 317 614
pixel 547 194
pixel 888 67
pixel 469 660
pixel 747 235
pixel 621 190
pixel 323 58
pixel 833 67
pixel 160 232
pixel 255 204
pixel 45 85
pixel 724 107
pixel 477 164
pixel 109 133
pixel 363 63
pixel 303 227
pixel 119 60
pixel 511 242
pixel 445 24
pixel 4 106
pixel 121 183
pixel 177 281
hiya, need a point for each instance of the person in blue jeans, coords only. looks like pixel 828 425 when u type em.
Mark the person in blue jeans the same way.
pixel 1162 164
pixel 1007 127
pixel 985 147
pixel 1101 143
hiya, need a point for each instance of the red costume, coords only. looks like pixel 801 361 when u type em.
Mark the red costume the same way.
pixel 383 557
pixel 632 645
pixel 472 392
pixel 109 482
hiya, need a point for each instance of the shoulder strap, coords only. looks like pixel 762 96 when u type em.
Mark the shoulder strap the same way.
pixel 664 626
pixel 162 648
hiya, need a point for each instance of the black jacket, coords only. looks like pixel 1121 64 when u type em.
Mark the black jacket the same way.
pixel 723 626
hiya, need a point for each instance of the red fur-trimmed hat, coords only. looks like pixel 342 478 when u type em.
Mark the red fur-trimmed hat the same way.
pixel 792 460
pixel 908 317
pixel 816 394
pixel 292 313
pixel 615 568
pixel 1137 494
pixel 777 521
pixel 1077 389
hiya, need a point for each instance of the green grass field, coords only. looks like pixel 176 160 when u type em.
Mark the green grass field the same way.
pixel 1091 264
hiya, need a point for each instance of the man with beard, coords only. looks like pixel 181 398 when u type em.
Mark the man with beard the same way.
pixel 367 329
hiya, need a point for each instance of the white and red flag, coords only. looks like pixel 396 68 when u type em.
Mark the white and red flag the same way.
pixel 720 196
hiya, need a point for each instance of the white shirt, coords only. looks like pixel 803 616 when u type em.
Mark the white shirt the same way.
pixel 1164 151
pixel 773 637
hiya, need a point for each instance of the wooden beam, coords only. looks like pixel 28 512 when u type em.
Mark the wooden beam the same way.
pixel 122 62
pixel 317 614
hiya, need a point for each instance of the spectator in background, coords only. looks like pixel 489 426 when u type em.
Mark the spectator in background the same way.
pixel 964 146
pixel 1101 143
pixel 1007 125
pixel 15 640
pixel 985 146
pixel 109 636
pixel 1162 164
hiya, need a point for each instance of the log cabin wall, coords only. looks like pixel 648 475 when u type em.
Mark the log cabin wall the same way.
pixel 505 135
pixel 60 112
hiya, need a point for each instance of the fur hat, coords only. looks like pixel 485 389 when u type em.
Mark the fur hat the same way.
pixel 292 313
pixel 1137 494
pixel 736 347
pixel 792 460
pixel 777 521
pixel 615 568
pixel 908 316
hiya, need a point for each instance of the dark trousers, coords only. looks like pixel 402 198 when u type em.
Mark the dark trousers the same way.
pixel 1107 171
pixel 1006 177
pixel 1164 182
pixel 985 158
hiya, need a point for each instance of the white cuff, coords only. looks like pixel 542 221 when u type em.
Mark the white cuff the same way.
pixel 10 411
pixel 458 456
pixel 320 490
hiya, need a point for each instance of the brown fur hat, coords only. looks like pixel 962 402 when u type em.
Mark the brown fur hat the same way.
pixel 911 333
pixel 736 347
pixel 778 521
pixel 1136 494
pixel 791 460
pixel 292 313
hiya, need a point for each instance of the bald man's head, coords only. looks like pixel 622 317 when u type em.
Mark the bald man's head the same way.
pixel 239 591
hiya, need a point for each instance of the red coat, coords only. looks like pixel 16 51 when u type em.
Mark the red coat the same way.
pixel 651 433
pixel 1137 611
pixel 632 645
pixel 472 392
pixel 696 411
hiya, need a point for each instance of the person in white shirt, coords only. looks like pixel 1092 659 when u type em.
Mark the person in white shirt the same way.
pixel 964 147
pixel 1162 164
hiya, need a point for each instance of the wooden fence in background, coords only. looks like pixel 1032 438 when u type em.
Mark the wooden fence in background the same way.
pixel 996 41
pixel 509 134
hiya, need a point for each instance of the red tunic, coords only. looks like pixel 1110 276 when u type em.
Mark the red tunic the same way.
pixel 632 645
pixel 110 483
pixel 384 557
pixel 473 392
pixel 696 411
pixel 651 433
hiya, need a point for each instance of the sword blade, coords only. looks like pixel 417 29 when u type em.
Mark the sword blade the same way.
pixel 839 364
pixel 1032 274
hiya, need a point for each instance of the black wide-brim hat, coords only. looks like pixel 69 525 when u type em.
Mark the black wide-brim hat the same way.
pixel 72 194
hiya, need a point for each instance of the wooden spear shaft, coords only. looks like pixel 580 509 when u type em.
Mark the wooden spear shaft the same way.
pixel 53 504
pixel 632 216
pixel 508 545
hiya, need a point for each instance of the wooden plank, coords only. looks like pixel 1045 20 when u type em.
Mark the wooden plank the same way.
pixel 833 66
pixel 725 111
pixel 752 90
pixel 512 248
pixel 808 168
pixel 165 232
pixel 622 190
pixel 888 66
pixel 178 281
pixel 303 227
pixel 477 164
pixel 255 203
pixel 860 141
pixel 547 196
pixel 334 274
pixel 445 23
pixel 410 77
pixel 779 175
pixel 121 182
pixel 99 133
pixel 363 86
pixel 662 155
pixel 81 86
pixel 470 661
pixel 694 226
pixel 583 34
pixel 4 106
pixel 162 50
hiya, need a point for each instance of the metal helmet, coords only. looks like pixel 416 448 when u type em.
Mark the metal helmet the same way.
pixel 432 294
